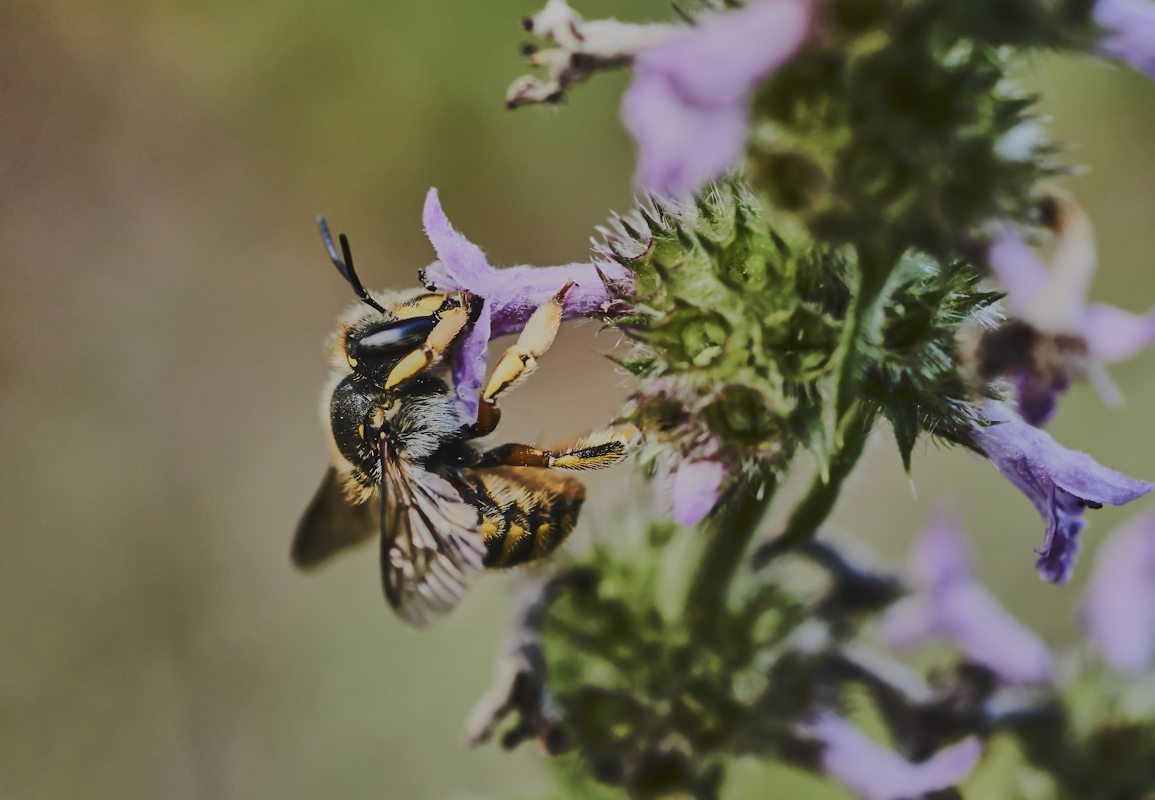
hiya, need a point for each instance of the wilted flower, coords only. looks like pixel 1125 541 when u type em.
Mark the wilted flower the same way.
pixel 1120 608
pixel 876 773
pixel 688 104
pixel 1129 27
pixel 1061 483
pixel 511 295
pixel 1056 335
pixel 951 604
pixel 582 49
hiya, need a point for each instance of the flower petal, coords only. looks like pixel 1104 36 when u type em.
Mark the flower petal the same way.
pixel 941 556
pixel 687 106
pixel 697 486
pixel 909 621
pixel 461 264
pixel 511 295
pixel 986 634
pixel 1018 269
pixel 1130 32
pixel 680 145
pixel 469 364
pixel 875 773
pixel 1060 482
pixel 1120 607
pixel 953 606
pixel 1113 334
pixel 720 60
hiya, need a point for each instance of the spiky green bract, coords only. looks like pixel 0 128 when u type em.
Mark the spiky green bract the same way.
pixel 649 706
pixel 741 326
pixel 899 128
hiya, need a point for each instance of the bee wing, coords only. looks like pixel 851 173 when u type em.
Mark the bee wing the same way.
pixel 429 544
pixel 332 522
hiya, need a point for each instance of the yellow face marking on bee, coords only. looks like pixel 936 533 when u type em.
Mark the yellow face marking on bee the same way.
pixel 361 431
pixel 439 340
pixel 352 361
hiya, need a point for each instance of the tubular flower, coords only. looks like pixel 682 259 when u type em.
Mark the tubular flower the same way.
pixel 1129 28
pixel 1120 606
pixel 951 604
pixel 875 773
pixel 511 295
pixel 1061 483
pixel 1056 334
pixel 688 104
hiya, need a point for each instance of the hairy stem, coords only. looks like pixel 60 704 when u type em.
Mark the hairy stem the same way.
pixel 813 509
pixel 730 532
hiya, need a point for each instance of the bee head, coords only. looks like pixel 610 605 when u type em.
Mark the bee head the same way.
pixel 377 346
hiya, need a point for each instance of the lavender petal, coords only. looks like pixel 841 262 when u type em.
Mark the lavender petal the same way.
pixel 1113 334
pixel 875 773
pixel 1120 607
pixel 1129 26
pixel 952 605
pixel 510 295
pixel 1018 268
pixel 697 486
pixel 687 105
pixel 1060 482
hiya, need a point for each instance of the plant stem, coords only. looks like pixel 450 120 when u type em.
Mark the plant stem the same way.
pixel 813 509
pixel 730 533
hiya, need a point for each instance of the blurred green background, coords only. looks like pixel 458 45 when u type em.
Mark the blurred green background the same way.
pixel 165 297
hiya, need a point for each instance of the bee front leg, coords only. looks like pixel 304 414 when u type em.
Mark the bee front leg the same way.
pixel 598 450
pixel 443 334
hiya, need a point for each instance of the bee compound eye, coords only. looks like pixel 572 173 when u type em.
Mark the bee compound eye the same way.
pixel 389 340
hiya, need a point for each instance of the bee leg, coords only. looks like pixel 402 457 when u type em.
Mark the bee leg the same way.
pixel 442 335
pixel 600 449
pixel 519 361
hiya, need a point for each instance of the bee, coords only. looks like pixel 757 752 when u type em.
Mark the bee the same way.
pixel 404 457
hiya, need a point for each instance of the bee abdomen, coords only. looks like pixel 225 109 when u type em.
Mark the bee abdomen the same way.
pixel 526 513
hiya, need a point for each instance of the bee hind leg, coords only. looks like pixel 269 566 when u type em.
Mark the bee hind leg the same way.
pixel 519 361
pixel 598 450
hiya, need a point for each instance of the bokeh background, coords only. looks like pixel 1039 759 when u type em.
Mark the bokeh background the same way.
pixel 164 297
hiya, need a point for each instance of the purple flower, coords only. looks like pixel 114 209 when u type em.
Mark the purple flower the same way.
pixel 1120 607
pixel 1057 334
pixel 876 773
pixel 1129 28
pixel 697 486
pixel 1061 483
pixel 688 105
pixel 951 604
pixel 511 295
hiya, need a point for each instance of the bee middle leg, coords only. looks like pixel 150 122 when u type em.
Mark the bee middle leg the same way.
pixel 598 450
pixel 519 361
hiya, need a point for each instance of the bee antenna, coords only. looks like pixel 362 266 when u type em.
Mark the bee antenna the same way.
pixel 345 267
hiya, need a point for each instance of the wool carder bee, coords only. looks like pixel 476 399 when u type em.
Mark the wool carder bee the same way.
pixel 404 457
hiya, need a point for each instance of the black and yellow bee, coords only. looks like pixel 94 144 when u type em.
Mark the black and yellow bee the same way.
pixel 403 456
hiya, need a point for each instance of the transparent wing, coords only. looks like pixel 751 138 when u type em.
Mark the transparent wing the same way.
pixel 430 544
